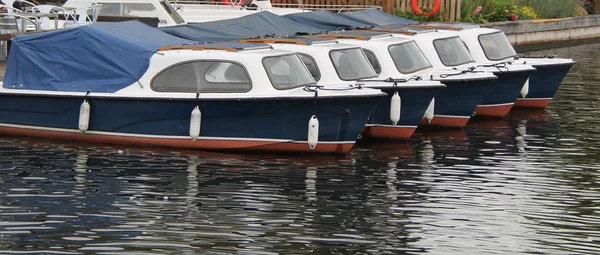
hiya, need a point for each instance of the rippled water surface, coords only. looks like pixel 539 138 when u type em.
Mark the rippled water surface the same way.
pixel 528 184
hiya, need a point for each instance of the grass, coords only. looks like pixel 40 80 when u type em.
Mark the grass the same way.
pixel 504 1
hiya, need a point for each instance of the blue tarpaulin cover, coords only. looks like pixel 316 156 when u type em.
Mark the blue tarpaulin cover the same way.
pixel 376 18
pixel 326 21
pixel 102 57
pixel 254 25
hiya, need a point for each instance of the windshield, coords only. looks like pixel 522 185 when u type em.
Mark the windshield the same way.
pixel 287 71
pixel 408 58
pixel 452 51
pixel 351 64
pixel 496 46
pixel 172 12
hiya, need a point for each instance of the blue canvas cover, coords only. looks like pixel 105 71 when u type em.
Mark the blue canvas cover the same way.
pixel 327 21
pixel 200 34
pixel 254 25
pixel 376 18
pixel 102 57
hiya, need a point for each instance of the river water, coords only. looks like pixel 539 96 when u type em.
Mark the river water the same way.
pixel 527 184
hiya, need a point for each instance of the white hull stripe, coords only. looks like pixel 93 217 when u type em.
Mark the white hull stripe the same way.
pixel 451 116
pixel 495 105
pixel 76 131
pixel 535 98
pixel 390 126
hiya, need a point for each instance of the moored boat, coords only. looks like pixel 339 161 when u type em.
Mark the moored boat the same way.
pixel 331 62
pixel 127 83
pixel 402 58
pixel 491 46
pixel 448 51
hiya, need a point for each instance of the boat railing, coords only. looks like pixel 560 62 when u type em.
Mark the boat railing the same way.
pixel 299 5
pixel 328 7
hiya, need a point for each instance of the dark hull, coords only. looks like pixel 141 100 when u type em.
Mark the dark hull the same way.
pixel 414 103
pixel 543 85
pixel 255 124
pixel 455 104
pixel 500 97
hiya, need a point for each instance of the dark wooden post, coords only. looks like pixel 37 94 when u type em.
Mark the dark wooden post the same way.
pixel 390 7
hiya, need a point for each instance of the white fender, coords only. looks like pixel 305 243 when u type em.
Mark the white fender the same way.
pixel 84 116
pixel 429 112
pixel 195 121
pixel 313 132
pixel 395 105
pixel 525 89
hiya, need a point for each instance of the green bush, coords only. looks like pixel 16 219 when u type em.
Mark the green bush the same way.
pixel 423 18
pixel 484 11
pixel 590 6
pixel 550 8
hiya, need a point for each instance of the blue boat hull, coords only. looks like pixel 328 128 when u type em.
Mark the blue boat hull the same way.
pixel 543 85
pixel 414 102
pixel 455 104
pixel 254 124
pixel 499 98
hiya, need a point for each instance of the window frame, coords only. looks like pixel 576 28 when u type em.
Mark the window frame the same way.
pixel 315 62
pixel 483 49
pixel 203 77
pixel 337 71
pixel 462 43
pixel 365 51
pixel 262 61
pixel 422 54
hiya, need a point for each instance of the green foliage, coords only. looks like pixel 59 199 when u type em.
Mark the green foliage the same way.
pixel 590 6
pixel 550 8
pixel 423 18
pixel 484 11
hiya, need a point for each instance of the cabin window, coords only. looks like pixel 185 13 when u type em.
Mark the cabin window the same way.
pixel 408 57
pixel 131 9
pixel 496 46
pixel 310 63
pixel 373 60
pixel 287 71
pixel 351 64
pixel 203 76
pixel 452 51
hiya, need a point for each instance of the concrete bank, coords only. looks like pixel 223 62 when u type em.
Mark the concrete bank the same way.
pixel 549 30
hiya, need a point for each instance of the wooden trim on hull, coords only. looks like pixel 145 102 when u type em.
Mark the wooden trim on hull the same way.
pixel 493 110
pixel 446 121
pixel 388 132
pixel 532 103
pixel 258 145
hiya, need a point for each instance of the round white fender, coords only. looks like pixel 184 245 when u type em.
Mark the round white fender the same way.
pixel 395 105
pixel 313 132
pixel 525 89
pixel 429 112
pixel 84 116
pixel 195 121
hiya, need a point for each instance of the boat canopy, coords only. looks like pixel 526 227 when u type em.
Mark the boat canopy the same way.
pixel 376 18
pixel 327 21
pixel 260 24
pixel 102 57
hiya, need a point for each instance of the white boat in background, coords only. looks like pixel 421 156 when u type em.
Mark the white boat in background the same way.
pixel 203 11
pixel 127 83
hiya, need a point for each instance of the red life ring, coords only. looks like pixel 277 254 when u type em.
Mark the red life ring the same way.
pixel 229 3
pixel 415 6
